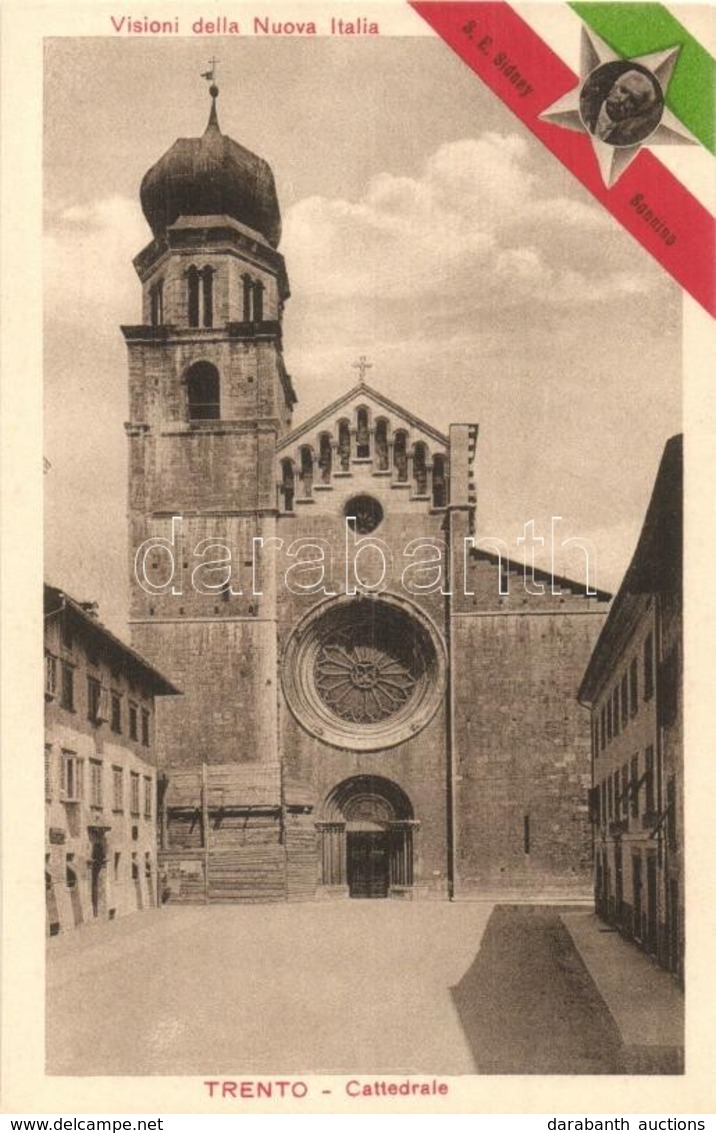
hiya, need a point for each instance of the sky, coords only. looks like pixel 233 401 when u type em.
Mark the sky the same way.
pixel 423 226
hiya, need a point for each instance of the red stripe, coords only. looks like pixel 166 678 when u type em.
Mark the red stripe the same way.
pixel 690 258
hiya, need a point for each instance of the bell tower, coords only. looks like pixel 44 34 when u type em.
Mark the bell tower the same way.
pixel 209 400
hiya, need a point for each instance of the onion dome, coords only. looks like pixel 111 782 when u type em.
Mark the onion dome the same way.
pixel 211 176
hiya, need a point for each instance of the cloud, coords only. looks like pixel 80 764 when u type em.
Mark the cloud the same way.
pixel 88 253
pixel 474 222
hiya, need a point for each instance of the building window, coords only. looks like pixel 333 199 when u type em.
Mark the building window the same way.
pixel 67 699
pixel 288 490
pixel 145 727
pixel 633 688
pixel 116 720
pixel 325 458
pixel 95 783
pixel 117 860
pixel 66 634
pixel 626 787
pixel 634 786
pixel 192 279
pixel 306 472
pixel 156 303
pixel 617 794
pixel 362 434
pixel 133 722
pixel 604 727
pixel 134 792
pixel 203 392
pixel 649 667
pixel 117 789
pixel 595 737
pixel 50 676
pixel 603 802
pixel 649 781
pixel 147 797
pixel 610 797
pixel 72 777
pixel 48 772
pixel 400 456
pixel 248 292
pixel 207 308
pixel 625 700
pixel 258 302
pixel 363 514
pixel 439 482
pixel 381 444
pixel 615 710
pixel 94 696
pixel 420 469
pixel 609 718
pixel 344 445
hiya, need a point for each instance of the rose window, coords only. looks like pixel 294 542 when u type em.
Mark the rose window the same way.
pixel 364 674
pixel 362 679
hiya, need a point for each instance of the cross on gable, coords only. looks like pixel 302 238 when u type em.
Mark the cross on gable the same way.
pixel 362 365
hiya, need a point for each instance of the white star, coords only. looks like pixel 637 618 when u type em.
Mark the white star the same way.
pixel 583 108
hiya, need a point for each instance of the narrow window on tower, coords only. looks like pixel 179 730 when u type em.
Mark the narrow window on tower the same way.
pixel 207 281
pixel 203 392
pixel 258 301
pixel 526 834
pixel 439 482
pixel 248 289
pixel 287 484
pixel 192 278
pixel 156 303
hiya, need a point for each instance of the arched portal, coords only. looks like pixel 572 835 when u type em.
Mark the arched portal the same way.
pixel 367 839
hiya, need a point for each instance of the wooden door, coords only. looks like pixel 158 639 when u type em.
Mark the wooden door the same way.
pixel 368 864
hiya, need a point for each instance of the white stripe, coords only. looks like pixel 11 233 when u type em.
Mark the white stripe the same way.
pixel 561 28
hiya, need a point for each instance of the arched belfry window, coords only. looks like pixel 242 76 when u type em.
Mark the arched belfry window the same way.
pixel 203 392
pixel 207 276
pixel 400 456
pixel 362 433
pixel 200 296
pixel 253 311
pixel 439 482
pixel 381 445
pixel 420 468
pixel 192 282
pixel 156 303
pixel 325 458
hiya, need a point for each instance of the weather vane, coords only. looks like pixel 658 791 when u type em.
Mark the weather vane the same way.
pixel 210 75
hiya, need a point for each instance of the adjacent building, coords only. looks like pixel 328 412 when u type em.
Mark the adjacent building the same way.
pixel 376 702
pixel 633 687
pixel 100 769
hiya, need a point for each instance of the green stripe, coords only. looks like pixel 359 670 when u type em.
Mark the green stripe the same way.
pixel 640 28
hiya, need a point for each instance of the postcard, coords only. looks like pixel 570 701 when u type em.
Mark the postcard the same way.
pixel 358 428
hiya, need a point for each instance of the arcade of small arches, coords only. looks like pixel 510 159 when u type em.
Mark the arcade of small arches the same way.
pixel 368 835
pixel 363 441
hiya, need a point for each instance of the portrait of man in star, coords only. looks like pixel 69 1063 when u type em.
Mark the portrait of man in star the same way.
pixel 621 103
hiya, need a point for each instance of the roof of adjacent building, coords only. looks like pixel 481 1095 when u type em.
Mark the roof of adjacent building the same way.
pixel 113 648
pixel 211 176
pixel 656 568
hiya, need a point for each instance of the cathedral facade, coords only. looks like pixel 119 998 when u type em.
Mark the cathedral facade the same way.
pixel 374 704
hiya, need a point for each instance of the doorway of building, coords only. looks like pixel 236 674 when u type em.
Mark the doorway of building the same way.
pixel 98 874
pixel 368 864
pixel 367 839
